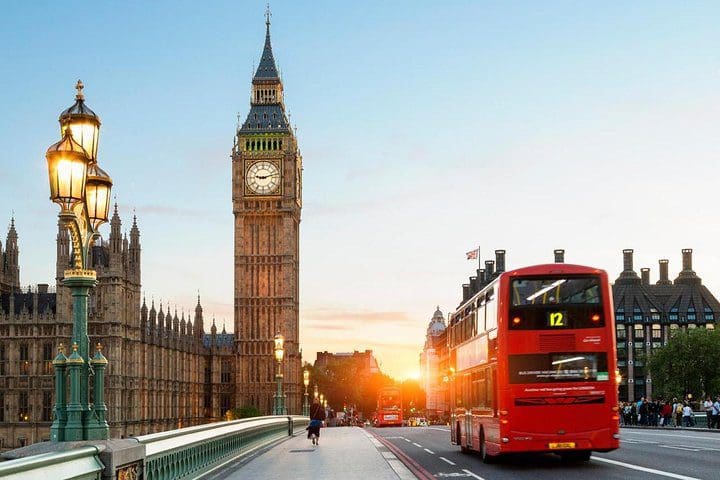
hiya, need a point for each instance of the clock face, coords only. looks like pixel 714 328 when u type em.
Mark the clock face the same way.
pixel 263 177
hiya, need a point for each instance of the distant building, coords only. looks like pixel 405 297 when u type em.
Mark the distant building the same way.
pixel 646 314
pixel 364 362
pixel 434 368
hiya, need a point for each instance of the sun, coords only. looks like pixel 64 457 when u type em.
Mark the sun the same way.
pixel 412 375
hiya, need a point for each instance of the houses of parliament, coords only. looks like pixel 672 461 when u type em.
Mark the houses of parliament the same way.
pixel 165 371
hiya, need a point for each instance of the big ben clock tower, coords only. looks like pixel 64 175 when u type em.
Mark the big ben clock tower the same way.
pixel 267 192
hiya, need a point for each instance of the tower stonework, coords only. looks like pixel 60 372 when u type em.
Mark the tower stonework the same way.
pixel 267 199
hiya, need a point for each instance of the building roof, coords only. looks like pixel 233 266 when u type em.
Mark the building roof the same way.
pixel 266 119
pixel 267 69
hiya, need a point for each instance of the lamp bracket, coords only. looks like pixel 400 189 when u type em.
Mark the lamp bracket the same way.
pixel 81 232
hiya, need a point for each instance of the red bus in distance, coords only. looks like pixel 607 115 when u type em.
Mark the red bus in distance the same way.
pixel 534 362
pixel 389 407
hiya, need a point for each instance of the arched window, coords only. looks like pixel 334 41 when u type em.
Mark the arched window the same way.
pixel 247 144
pixel 280 144
pixel 274 144
pixel 263 145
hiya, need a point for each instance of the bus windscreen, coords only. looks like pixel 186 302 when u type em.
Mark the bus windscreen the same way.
pixel 556 291
pixel 558 367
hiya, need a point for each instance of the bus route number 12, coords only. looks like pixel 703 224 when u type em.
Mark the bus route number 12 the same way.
pixel 557 319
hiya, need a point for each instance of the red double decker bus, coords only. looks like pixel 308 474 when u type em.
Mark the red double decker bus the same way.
pixel 535 366
pixel 389 408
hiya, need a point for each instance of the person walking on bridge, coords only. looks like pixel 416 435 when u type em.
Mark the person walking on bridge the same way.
pixel 317 415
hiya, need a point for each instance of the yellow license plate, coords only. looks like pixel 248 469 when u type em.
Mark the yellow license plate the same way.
pixel 560 446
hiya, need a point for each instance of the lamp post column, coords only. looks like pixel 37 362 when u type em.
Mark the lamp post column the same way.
pixel 57 430
pixel 99 428
pixel 74 427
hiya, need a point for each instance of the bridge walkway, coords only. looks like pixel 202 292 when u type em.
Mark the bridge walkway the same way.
pixel 348 453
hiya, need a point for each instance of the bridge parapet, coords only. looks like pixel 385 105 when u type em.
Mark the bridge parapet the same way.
pixel 173 455
pixel 79 464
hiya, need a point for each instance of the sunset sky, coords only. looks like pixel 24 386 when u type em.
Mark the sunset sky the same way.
pixel 426 128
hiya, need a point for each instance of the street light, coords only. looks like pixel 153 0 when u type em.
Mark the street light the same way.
pixel 82 190
pixel 306 382
pixel 279 404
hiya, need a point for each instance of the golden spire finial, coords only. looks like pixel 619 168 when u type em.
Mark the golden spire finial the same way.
pixel 61 349
pixel 79 86
pixel 99 347
pixel 267 15
pixel 75 347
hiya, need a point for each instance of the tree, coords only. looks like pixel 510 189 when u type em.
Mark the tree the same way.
pixel 245 412
pixel 689 363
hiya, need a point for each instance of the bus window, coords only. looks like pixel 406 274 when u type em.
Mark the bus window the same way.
pixel 481 318
pixel 490 312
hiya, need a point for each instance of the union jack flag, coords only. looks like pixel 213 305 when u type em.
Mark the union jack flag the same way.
pixel 472 254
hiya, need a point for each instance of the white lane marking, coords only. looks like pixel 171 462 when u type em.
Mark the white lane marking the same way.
pixel 417 445
pixel 407 440
pixel 430 451
pixel 446 460
pixel 644 469
pixel 472 474
pixel 679 447
pixel 440 429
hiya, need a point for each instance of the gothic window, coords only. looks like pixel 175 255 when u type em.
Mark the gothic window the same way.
pixel 2 360
pixel 47 407
pixel 247 144
pixel 639 332
pixel 708 314
pixel 225 371
pixel 24 360
pixel 2 407
pixel 255 115
pixel 23 407
pixel 265 116
pixel 225 404
pixel 258 125
pixel 47 358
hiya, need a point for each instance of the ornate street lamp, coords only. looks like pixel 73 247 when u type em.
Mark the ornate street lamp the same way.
pixel 306 382
pixel 82 190
pixel 279 404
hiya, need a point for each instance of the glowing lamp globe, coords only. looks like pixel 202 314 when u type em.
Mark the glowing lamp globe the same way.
pixel 83 123
pixel 67 172
pixel 97 195
pixel 306 378
pixel 279 352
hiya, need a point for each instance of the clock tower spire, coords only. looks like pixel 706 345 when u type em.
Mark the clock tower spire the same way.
pixel 267 191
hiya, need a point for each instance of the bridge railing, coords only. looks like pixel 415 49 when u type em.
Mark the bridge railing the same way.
pixel 78 464
pixel 193 451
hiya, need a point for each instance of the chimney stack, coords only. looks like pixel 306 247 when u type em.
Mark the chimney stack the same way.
pixel 559 255
pixel 500 260
pixel 645 275
pixel 687 259
pixel 664 278
pixel 628 260
pixel 489 269
pixel 687 275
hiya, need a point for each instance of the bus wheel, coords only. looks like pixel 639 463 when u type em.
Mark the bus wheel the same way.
pixel 577 456
pixel 483 450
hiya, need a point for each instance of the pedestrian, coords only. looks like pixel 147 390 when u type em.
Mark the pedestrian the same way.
pixel 666 414
pixel 643 411
pixel 687 414
pixel 317 415
pixel 678 409
pixel 716 413
pixel 708 407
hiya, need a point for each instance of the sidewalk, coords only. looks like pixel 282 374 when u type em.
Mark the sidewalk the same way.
pixel 348 453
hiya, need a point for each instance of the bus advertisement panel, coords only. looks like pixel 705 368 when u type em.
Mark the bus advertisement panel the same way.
pixel 535 364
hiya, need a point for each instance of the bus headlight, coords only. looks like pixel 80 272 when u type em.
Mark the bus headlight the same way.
pixel 505 440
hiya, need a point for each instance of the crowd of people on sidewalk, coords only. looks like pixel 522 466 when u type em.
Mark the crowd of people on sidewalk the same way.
pixel 662 413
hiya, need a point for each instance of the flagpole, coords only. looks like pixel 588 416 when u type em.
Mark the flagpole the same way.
pixel 479 259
